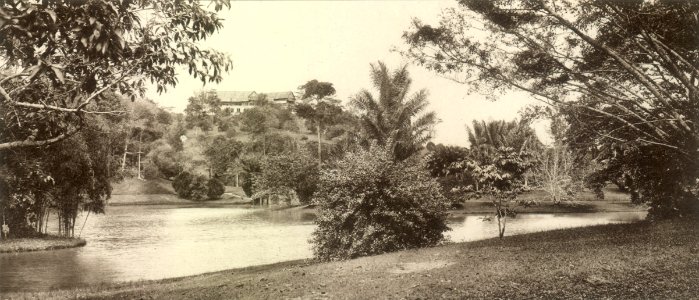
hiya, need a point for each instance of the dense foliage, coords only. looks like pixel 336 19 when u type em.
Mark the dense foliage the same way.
pixel 623 72
pixel 60 56
pixel 443 163
pixel 214 188
pixel 67 177
pixel 394 118
pixel 291 174
pixel 197 187
pixel 370 204
pixel 500 180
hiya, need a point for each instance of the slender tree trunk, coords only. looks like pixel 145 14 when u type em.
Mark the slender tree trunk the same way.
pixel 320 160
pixel 236 178
pixel 109 161
pixel 126 150
pixel 502 218
pixel 58 215
pixel 140 144
pixel 85 222
pixel 72 226
pixel 46 222
pixel 264 144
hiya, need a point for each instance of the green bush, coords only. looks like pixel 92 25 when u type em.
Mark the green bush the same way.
pixel 198 188
pixel 181 184
pixel 193 187
pixel 215 188
pixel 369 204
pixel 151 171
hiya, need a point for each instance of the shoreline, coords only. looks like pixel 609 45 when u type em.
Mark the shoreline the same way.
pixel 615 260
pixel 469 206
pixel 43 243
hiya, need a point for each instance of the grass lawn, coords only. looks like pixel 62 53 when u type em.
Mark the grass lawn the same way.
pixel 643 260
pixel 47 242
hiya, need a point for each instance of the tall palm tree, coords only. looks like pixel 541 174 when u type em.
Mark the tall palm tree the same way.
pixel 486 137
pixel 395 118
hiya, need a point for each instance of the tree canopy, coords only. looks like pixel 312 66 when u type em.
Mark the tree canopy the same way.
pixel 60 56
pixel 314 89
pixel 625 74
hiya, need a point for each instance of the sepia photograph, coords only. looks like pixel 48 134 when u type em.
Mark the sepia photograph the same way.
pixel 349 149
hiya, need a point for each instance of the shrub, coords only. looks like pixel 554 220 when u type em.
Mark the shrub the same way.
pixel 370 204
pixel 198 188
pixel 181 184
pixel 215 188
pixel 151 171
pixel 166 160
pixel 189 186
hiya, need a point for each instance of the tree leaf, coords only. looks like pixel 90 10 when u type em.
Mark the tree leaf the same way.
pixel 58 71
pixel 52 14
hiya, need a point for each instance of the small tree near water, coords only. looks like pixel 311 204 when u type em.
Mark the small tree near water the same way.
pixel 370 204
pixel 501 181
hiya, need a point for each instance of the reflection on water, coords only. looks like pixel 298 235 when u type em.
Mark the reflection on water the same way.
pixel 473 227
pixel 153 242
pixel 149 242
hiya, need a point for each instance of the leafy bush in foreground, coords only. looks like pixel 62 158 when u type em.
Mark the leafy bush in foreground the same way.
pixel 370 204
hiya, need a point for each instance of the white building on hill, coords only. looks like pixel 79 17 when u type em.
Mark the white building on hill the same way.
pixel 240 101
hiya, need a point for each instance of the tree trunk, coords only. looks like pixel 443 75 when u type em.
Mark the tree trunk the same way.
pixel 126 149
pixel 236 179
pixel 320 160
pixel 140 139
pixel 85 222
pixel 264 144
pixel 46 223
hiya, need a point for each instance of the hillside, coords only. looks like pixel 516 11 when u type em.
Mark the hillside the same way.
pixel 133 186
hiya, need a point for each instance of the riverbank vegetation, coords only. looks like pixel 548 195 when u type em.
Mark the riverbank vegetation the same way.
pixel 39 243
pixel 621 102
pixel 617 261
pixel 62 98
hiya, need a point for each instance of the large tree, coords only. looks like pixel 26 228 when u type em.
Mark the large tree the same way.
pixel 60 56
pixel 322 113
pixel 203 110
pixel 395 118
pixel 321 116
pixel 626 74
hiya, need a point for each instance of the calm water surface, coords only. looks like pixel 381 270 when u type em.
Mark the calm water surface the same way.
pixel 154 242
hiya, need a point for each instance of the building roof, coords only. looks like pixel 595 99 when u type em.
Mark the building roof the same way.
pixel 280 96
pixel 236 96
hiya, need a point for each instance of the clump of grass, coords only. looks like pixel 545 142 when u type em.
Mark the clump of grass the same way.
pixel 44 242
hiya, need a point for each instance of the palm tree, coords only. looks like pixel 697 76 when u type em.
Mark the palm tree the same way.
pixel 395 118
pixel 486 137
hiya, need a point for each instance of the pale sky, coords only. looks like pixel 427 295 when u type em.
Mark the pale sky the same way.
pixel 279 45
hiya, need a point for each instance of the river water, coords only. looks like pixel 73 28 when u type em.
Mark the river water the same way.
pixel 153 242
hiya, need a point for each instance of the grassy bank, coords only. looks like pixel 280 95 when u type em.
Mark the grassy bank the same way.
pixel 658 260
pixel 486 207
pixel 47 242
pixel 134 191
